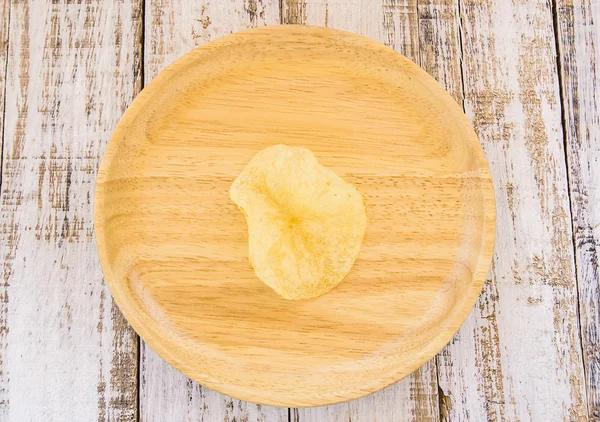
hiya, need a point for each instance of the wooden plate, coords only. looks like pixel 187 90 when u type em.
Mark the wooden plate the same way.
pixel 173 246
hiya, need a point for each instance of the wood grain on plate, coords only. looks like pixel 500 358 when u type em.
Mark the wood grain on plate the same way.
pixel 174 247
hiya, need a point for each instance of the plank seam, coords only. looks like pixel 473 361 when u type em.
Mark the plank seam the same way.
pixel 440 392
pixel 563 120
pixel 420 63
pixel 418 33
pixel 461 54
pixel 142 78
pixel 281 12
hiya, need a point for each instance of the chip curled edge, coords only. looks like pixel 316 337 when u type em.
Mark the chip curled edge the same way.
pixel 305 223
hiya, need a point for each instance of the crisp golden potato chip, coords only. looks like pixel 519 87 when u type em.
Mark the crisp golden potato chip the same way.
pixel 305 223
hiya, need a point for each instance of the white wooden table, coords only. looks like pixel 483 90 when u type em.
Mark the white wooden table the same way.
pixel 527 73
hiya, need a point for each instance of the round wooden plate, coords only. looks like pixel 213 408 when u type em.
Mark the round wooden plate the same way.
pixel 174 248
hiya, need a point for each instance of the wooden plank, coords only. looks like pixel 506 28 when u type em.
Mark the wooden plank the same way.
pixel 172 29
pixel 395 24
pixel 175 27
pixel 518 356
pixel 579 56
pixel 67 353
pixel 4 34
pixel 412 399
pixel 391 22
pixel 439 44
pixel 440 54
pixel 4 25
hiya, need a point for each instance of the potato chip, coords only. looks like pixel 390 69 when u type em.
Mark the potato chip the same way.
pixel 305 223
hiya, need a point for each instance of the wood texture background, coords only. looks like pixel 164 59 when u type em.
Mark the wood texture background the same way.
pixel 526 73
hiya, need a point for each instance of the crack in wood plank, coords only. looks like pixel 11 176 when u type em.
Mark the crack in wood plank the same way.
pixel 578 59
pixel 440 53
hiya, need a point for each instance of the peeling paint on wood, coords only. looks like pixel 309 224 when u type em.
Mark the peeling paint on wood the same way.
pixel 511 94
pixel 412 399
pixel 173 29
pixel 400 29
pixel 66 351
pixel 168 395
pixel 579 58
pixel 294 12
pixel 439 44
pixel 6 232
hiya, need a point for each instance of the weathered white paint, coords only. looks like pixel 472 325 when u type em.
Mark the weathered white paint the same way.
pixel 173 28
pixel 518 355
pixel 412 399
pixel 169 395
pixel 579 49
pixel 4 25
pixel 67 353
pixel 391 22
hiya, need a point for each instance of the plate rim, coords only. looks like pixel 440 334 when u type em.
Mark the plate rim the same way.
pixel 455 318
